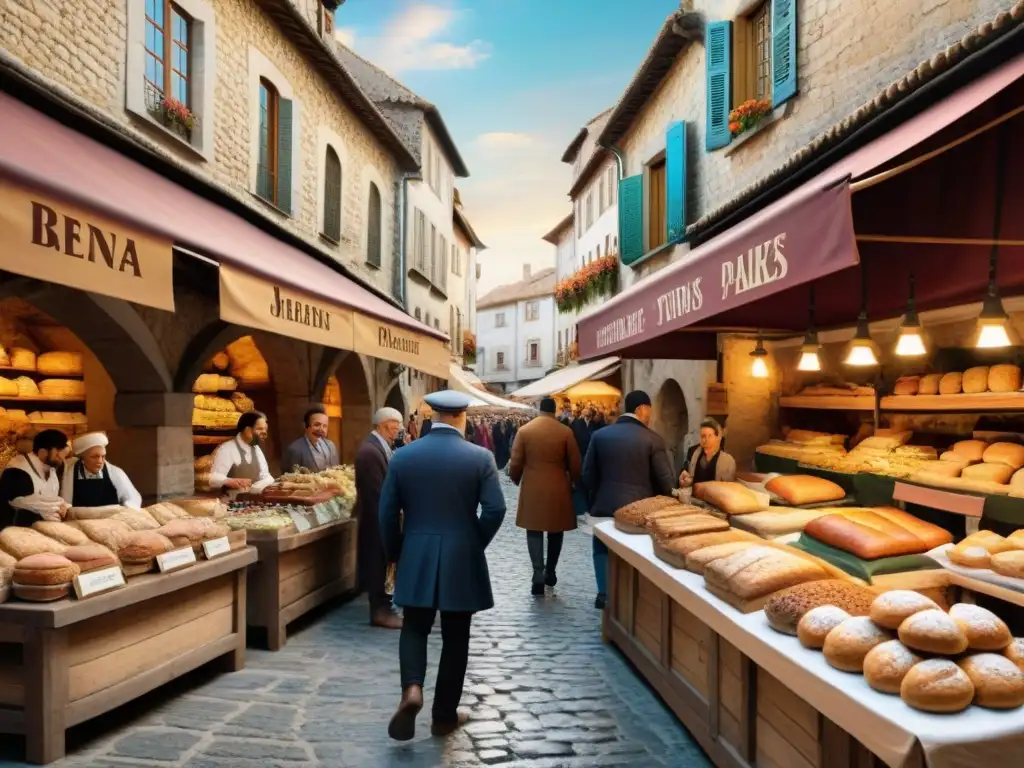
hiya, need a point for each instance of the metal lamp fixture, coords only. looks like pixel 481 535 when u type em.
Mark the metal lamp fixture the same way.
pixel 809 360
pixel 910 342
pixel 759 365
pixel 862 348
pixel 993 320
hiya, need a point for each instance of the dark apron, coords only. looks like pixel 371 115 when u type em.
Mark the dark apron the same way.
pixel 706 473
pixel 93 493
pixel 246 470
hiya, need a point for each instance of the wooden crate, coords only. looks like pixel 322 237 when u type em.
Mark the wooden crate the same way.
pixel 66 662
pixel 296 572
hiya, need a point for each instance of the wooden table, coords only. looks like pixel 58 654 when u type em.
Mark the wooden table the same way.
pixel 297 572
pixel 66 662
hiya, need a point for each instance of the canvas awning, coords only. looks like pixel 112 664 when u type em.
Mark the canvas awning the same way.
pixel 584 389
pixel 750 276
pixel 564 378
pixel 457 380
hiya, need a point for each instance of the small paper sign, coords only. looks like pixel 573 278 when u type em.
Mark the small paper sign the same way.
pixel 216 547
pixel 172 561
pixel 323 514
pixel 302 523
pixel 97 582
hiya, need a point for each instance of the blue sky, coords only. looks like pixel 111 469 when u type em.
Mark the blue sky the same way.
pixel 514 80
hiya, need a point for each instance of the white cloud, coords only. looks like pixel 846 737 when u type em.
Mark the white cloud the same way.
pixel 504 140
pixel 346 36
pixel 411 41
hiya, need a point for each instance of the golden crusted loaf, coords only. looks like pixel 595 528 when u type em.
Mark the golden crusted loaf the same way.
pixel 760 571
pixel 785 609
pixel 797 490
pixel 684 545
pixel 140 547
pixel 44 570
pixel 731 498
pixel 21 542
pixel 687 525
pixel 636 513
pixel 61 532
pixel 107 532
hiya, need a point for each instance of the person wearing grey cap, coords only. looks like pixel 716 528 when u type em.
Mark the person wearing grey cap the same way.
pixel 371 463
pixel 626 462
pixel 430 527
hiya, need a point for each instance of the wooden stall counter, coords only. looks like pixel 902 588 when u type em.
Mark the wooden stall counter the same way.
pixel 755 697
pixel 296 572
pixel 66 662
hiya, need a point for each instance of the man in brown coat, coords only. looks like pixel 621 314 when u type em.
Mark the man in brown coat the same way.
pixel 545 463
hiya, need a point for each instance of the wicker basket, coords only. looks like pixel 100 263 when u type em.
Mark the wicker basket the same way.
pixel 69 389
pixel 26 387
pixel 213 403
pixel 23 359
pixel 8 387
pixel 59 364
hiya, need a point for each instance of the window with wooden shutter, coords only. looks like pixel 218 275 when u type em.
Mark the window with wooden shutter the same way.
pixel 657 221
pixel 718 64
pixel 374 223
pixel 675 180
pixel 600 205
pixel 332 195
pixel 432 274
pixel 784 50
pixel 631 218
pixel 442 271
pixel 266 168
pixel 284 155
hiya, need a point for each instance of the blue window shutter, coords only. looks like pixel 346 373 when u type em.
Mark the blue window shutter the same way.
pixel 631 218
pixel 718 49
pixel 284 156
pixel 675 180
pixel 784 53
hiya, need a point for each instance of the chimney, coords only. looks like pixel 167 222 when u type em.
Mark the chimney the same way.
pixel 526 271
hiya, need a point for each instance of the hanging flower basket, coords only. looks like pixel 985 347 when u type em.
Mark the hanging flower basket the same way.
pixel 748 115
pixel 592 281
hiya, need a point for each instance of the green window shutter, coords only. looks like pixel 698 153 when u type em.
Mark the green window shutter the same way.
pixel 284 156
pixel 631 218
pixel 784 53
pixel 675 180
pixel 718 69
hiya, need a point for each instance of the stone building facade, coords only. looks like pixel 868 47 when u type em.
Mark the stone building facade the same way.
pixel 846 53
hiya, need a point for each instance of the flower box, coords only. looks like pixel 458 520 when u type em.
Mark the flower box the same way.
pixel 598 278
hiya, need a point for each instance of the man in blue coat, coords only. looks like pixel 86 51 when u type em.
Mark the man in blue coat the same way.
pixel 429 526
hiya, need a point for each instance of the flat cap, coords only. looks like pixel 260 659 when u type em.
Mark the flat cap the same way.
pixel 448 401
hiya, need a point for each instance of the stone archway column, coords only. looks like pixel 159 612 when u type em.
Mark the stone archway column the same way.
pixel 153 443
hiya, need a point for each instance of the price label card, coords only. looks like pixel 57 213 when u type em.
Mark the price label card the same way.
pixel 302 523
pixel 172 561
pixel 97 582
pixel 216 547
pixel 323 514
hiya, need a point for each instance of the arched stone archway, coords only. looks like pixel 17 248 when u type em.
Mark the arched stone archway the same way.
pixel 395 399
pixel 670 419
pixel 356 406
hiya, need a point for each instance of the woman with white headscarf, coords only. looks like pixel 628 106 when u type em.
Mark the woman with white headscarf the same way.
pixel 91 481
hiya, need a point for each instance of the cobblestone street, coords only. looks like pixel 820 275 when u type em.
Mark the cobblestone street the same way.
pixel 543 690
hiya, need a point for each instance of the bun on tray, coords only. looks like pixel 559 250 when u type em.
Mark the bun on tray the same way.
pixel 983 629
pixel 846 646
pixel 890 609
pixel 937 685
pixel 933 631
pixel 886 666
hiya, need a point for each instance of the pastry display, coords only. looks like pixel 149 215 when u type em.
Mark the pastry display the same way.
pixel 983 629
pixel 731 498
pixel 815 625
pixel 887 664
pixel 61 532
pixel 797 490
pixel 785 608
pixel 933 631
pixel 846 646
pixel 19 543
pixel 937 685
pixel 890 609
pixel 998 682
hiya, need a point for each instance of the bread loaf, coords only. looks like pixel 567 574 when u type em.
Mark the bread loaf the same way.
pixel 106 532
pixel 61 532
pixel 983 629
pixel 721 571
pixel 949 468
pixel 91 557
pixel 40 594
pixel 951 384
pixel 697 561
pixel 1009 563
pixel 23 359
pixel 885 442
pixel 929 384
pixel 45 569
pixel 846 646
pixel 807 437
pixel 797 490
pixel 970 450
pixel 59 364
pixel 20 543
pixel 933 631
pixel 8 388
pixel 165 511
pixel 769 575
pixel 213 403
pixel 937 685
pixel 868 536
pixel 731 498
pixel 1004 378
pixel 684 545
pixel 932 535
pixel 991 473
pixel 887 664
pixel 636 513
pixel 975 380
pixel 1015 652
pixel 242 402
pixel 815 625
pixel 785 608
pixel 1009 454
pixel 211 383
pixel 137 519
pixel 992 542
pixel 668 513
pixel 689 525
pixel 891 609
pixel 776 521
pixel 971 556
pixel 998 682
pixel 7 561
pixel 220 361
pixel 26 387
pixel 907 385
pixel 140 547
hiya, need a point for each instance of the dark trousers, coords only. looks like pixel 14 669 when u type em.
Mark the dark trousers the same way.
pixel 372 563
pixel 535 544
pixel 451 672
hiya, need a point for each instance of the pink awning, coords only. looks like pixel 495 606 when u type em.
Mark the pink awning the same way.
pixel 50 156
pixel 812 227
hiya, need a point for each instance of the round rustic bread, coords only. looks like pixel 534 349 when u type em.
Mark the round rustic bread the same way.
pixel 983 629
pixel 848 644
pixel 37 593
pixel 887 664
pixel 998 682
pixel 44 570
pixel 1015 652
pixel 785 608
pixel 141 547
pixel 933 631
pixel 890 609
pixel 815 625
pixel 91 557
pixel 937 685
pixel 183 532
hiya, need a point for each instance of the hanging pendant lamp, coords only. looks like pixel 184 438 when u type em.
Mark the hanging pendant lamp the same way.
pixel 911 340
pixel 759 363
pixel 809 359
pixel 861 353
pixel 993 321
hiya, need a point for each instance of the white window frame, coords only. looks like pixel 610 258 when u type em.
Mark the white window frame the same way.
pixel 202 74
pixel 532 311
pixel 261 67
pixel 533 363
pixel 499 320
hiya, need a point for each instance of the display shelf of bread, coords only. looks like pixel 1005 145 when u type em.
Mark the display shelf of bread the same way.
pixel 306 488
pixel 988 563
pixel 219 401
pixel 978 467
pixel 831 397
pixel 982 388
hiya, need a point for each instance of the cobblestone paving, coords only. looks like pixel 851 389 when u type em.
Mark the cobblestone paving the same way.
pixel 543 691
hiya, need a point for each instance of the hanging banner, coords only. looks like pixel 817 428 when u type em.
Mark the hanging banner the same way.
pixel 253 302
pixel 396 344
pixel 46 239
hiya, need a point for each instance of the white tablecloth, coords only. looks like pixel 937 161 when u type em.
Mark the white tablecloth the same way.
pixel 975 738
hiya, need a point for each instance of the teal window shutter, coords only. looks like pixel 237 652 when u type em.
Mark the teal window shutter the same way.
pixel 284 156
pixel 784 53
pixel 631 218
pixel 675 180
pixel 718 49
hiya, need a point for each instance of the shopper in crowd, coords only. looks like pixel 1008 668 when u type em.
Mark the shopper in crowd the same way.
pixel 372 459
pixel 429 524
pixel 545 464
pixel 471 428
pixel 425 427
pixel 89 480
pixel 30 483
pixel 499 438
pixel 626 462
pixel 412 429
pixel 708 461
pixel 312 451
pixel 582 429
pixel 566 415
pixel 239 464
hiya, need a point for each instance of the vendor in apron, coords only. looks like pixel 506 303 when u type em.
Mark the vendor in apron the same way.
pixel 239 464
pixel 30 483
pixel 89 480
pixel 709 461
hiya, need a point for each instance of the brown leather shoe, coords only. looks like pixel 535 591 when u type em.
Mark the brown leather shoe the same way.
pixel 441 728
pixel 403 723
pixel 386 618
